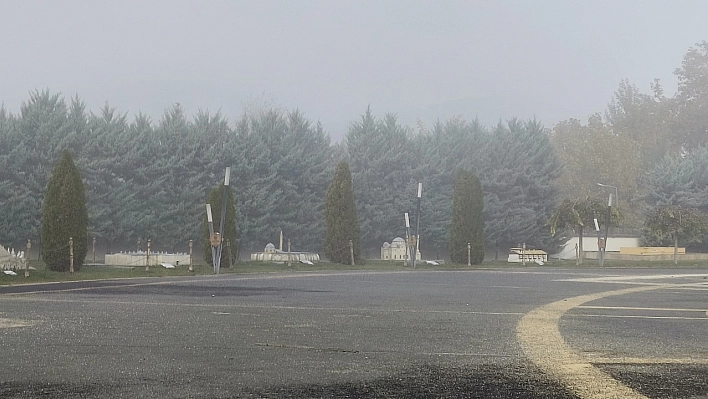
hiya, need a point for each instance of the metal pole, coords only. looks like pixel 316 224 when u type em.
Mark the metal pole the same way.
pixel 523 255
pixel 607 227
pixel 289 259
pixel 417 223
pixel 94 250
pixel 223 218
pixel 210 222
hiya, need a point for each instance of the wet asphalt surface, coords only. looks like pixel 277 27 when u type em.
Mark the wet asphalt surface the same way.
pixel 416 334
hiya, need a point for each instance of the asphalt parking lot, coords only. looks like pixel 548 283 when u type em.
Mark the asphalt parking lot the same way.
pixel 511 333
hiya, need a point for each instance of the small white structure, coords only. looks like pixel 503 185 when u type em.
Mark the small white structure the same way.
pixel 270 254
pixel 396 250
pixel 9 260
pixel 139 258
pixel 518 255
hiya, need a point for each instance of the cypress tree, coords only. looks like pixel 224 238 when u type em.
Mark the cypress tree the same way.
pixel 467 219
pixel 215 198
pixel 64 215
pixel 341 219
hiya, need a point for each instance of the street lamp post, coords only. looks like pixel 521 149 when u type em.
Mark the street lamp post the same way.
pixel 617 197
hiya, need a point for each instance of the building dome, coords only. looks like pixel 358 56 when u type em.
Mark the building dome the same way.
pixel 269 248
pixel 398 242
pixel 386 245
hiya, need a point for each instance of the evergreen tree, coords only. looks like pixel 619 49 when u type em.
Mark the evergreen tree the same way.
pixel 64 215
pixel 228 241
pixel 341 219
pixel 381 163
pixel 467 219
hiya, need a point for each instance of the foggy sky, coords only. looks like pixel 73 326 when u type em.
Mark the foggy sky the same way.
pixel 331 59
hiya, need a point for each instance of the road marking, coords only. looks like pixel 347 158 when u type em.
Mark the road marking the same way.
pixel 13 323
pixel 643 360
pixel 616 316
pixel 543 344
pixel 259 306
pixel 639 308
pixel 608 279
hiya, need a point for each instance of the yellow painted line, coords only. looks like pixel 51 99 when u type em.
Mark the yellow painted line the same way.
pixel 543 344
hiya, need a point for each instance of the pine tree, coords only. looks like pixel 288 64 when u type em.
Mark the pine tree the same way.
pixel 215 199
pixel 467 219
pixel 341 219
pixel 64 215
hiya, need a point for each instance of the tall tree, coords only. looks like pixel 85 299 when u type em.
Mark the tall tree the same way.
pixel 519 172
pixel 467 219
pixel 64 216
pixel 594 153
pixel 381 163
pixel 692 97
pixel 341 219
pixel 676 223
pixel 577 214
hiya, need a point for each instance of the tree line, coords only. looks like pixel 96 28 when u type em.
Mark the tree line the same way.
pixel 149 179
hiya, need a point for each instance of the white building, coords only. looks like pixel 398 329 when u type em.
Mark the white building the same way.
pixel 270 254
pixel 396 250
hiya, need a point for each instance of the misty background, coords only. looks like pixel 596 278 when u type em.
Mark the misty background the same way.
pixel 541 101
pixel 331 59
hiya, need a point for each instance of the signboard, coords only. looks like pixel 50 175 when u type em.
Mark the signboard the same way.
pixel 215 239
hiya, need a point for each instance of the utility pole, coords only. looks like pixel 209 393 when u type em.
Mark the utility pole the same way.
pixel 213 237
pixel 71 255
pixel 191 244
pixel 523 255
pixel 94 250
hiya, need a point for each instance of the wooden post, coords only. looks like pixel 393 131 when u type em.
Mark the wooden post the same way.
pixel 147 259
pixel 289 258
pixel 29 246
pixel 351 250
pixel 191 267
pixel 94 250
pixel 71 254
pixel 469 254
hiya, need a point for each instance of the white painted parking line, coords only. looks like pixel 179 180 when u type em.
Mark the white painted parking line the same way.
pixel 617 316
pixel 640 308
pixel 610 279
